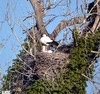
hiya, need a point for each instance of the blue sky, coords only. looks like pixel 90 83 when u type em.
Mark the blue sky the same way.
pixel 19 9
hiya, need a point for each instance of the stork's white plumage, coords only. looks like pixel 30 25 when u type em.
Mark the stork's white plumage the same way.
pixel 46 41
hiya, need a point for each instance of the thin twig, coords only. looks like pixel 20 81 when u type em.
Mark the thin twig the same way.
pixel 13 31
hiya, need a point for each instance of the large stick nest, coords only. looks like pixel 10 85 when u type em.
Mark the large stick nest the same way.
pixel 48 64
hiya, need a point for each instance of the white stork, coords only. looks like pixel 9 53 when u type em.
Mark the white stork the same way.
pixel 46 41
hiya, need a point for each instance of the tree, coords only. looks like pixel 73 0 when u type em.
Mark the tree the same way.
pixel 76 65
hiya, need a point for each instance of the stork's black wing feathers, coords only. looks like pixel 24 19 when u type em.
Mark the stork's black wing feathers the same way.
pixel 53 43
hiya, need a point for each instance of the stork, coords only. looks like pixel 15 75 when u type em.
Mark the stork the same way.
pixel 46 41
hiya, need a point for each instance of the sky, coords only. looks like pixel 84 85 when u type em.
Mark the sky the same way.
pixel 7 39
pixel 9 46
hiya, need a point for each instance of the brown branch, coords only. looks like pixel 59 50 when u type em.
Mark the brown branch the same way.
pixel 64 24
pixel 38 8
pixel 96 24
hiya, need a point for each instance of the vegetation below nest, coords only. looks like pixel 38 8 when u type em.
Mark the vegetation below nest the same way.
pixel 65 78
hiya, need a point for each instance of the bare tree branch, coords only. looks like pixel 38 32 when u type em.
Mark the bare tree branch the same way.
pixel 96 24
pixel 96 52
pixel 39 15
pixel 18 39
pixel 64 24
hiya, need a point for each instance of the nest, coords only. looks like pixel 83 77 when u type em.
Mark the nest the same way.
pixel 48 64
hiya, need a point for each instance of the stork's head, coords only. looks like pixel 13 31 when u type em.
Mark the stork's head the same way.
pixel 44 35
